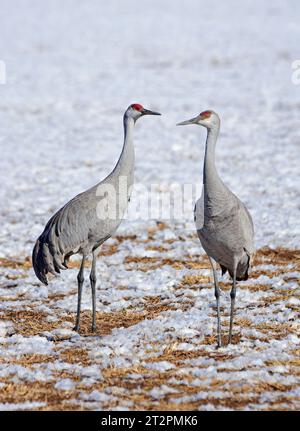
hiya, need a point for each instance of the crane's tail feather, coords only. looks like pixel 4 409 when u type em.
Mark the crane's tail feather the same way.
pixel 224 269
pixel 239 276
pixel 45 260
pixel 243 275
pixel 242 270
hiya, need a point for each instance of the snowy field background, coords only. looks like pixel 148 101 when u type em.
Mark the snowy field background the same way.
pixel 72 69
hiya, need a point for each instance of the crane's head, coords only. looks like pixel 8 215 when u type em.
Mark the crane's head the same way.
pixel 136 111
pixel 208 119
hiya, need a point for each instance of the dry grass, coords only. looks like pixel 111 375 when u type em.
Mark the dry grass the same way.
pixel 237 394
pixel 75 356
pixel 145 264
pixel 37 392
pixel 30 322
pixel 15 263
pixel 29 360
pixel 279 256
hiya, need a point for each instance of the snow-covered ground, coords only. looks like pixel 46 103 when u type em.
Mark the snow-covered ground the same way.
pixel 72 69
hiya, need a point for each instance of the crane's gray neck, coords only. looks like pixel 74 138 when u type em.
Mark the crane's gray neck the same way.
pixel 210 174
pixel 215 191
pixel 126 159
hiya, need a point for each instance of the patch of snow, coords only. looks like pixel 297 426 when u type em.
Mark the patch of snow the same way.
pixel 65 384
pixel 160 366
pixel 27 405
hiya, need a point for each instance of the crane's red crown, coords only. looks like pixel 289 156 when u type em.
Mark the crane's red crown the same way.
pixel 205 114
pixel 137 106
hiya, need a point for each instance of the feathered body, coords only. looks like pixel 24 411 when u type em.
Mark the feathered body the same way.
pixel 223 223
pixel 76 227
pixel 225 229
pixel 89 219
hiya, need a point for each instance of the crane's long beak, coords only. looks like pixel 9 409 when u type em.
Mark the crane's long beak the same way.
pixel 148 112
pixel 185 123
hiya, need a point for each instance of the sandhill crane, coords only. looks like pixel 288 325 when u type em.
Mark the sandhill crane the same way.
pixel 78 227
pixel 223 223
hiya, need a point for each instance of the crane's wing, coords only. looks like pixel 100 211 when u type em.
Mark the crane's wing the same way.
pixel 234 227
pixel 247 227
pixel 199 212
pixel 65 232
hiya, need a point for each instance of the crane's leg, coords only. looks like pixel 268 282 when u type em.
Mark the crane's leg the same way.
pixel 232 296
pixel 217 295
pixel 93 280
pixel 80 280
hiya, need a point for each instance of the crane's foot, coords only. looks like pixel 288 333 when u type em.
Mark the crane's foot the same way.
pixel 219 338
pixel 76 327
pixel 94 328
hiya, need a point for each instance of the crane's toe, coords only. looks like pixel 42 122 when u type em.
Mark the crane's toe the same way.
pixel 76 328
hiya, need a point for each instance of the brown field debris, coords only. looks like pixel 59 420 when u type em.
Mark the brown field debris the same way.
pixel 238 394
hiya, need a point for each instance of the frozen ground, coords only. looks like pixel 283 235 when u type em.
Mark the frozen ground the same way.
pixel 72 69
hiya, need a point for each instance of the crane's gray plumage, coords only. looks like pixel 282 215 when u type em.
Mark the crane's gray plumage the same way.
pixel 80 227
pixel 224 225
